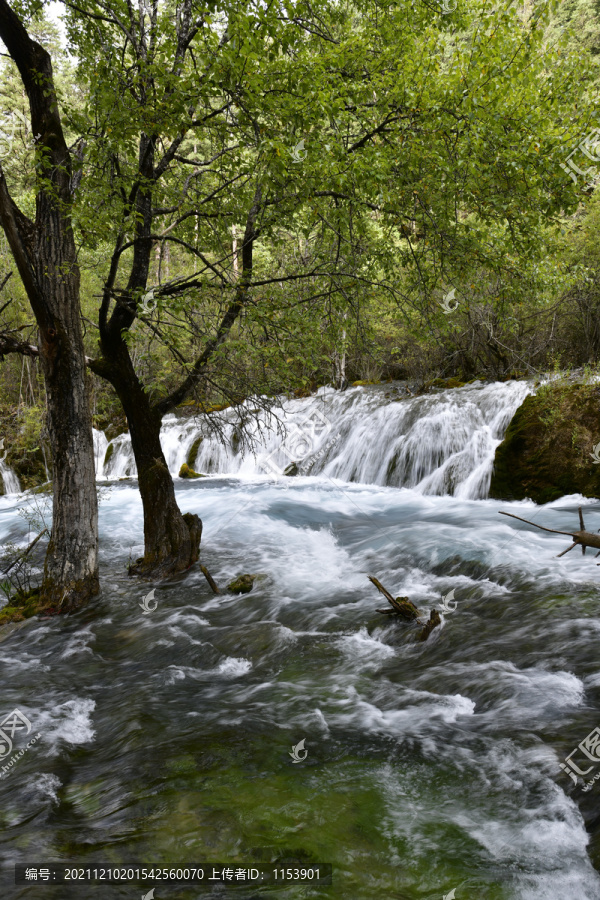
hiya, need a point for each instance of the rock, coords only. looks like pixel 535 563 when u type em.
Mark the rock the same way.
pixel 186 472
pixel 241 585
pixel 193 452
pixel 291 470
pixel 548 449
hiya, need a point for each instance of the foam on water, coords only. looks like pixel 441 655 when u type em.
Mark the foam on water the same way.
pixel 69 721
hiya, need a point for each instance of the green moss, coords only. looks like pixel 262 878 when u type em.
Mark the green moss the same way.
pixel 22 606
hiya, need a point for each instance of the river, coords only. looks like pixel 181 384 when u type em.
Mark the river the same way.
pixel 431 767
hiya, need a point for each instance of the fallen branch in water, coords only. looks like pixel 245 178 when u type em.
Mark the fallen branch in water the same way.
pixel 404 607
pixel 400 605
pixel 581 538
pixel 210 580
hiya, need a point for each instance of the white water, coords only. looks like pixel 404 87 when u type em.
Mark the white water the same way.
pixel 9 479
pixel 431 766
pixel 441 443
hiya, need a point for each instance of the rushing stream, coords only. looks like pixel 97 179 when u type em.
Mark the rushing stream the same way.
pixel 431 767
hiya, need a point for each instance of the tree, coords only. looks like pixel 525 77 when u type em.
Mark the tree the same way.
pixel 185 136
pixel 45 255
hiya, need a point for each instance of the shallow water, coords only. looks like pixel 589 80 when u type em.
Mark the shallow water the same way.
pixel 166 736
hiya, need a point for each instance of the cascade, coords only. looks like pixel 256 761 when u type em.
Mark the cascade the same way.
pixel 9 479
pixel 441 443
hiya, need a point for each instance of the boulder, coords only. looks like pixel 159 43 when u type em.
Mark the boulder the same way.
pixel 549 448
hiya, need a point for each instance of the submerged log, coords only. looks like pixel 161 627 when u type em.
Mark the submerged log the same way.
pixel 402 606
pixel 581 538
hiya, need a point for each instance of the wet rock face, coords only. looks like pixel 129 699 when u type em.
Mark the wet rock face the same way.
pixel 549 448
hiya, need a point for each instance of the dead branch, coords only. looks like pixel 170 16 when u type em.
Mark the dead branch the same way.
pixel 400 605
pixel 581 538
pixel 210 580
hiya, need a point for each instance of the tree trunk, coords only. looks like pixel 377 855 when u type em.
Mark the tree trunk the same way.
pixel 171 540
pixel 45 253
pixel 71 564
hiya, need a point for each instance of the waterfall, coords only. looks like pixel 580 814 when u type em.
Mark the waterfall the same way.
pixel 9 479
pixel 440 443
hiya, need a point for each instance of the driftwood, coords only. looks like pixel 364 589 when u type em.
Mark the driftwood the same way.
pixel 401 606
pixel 210 580
pixel 434 621
pixel 581 538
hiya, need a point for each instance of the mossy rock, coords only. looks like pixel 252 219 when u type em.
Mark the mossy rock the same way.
pixel 109 452
pixel 291 470
pixel 193 452
pixel 446 383
pixel 241 585
pixel 548 448
pixel 186 472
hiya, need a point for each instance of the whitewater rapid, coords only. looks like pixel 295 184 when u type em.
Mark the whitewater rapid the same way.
pixel 440 443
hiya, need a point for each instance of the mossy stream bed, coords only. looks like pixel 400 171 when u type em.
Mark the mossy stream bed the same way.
pixel 166 737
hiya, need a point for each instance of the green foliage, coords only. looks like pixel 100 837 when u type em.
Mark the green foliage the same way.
pixel 399 153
